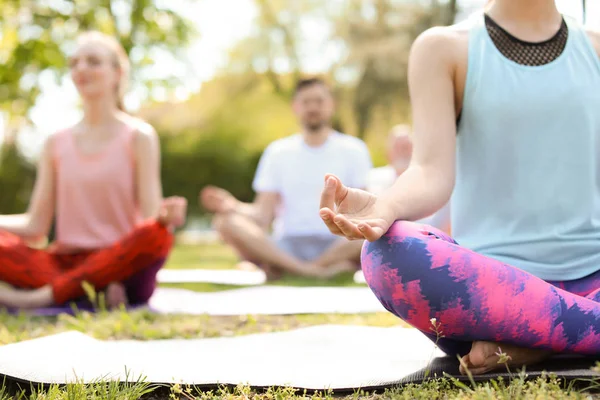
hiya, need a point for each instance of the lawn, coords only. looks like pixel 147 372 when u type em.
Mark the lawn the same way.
pixel 143 325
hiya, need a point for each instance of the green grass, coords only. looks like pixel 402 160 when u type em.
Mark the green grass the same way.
pixel 444 389
pixel 143 325
pixel 209 256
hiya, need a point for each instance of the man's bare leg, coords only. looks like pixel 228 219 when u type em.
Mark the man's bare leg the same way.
pixel 250 240
pixel 341 251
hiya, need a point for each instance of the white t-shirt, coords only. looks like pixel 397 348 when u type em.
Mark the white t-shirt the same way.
pixel 297 172
pixel 380 179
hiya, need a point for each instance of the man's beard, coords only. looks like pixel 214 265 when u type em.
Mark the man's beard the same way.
pixel 314 127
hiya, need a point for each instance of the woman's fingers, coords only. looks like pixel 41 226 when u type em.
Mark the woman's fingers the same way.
pixel 328 193
pixel 328 216
pixel 371 233
pixel 349 229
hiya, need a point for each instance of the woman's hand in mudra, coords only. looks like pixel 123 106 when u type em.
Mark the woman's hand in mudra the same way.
pixel 353 213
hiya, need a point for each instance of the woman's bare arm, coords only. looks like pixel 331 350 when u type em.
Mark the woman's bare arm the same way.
pixel 148 182
pixel 427 184
pixel 35 223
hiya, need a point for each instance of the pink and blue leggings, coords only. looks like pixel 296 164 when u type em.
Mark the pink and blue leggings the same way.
pixel 419 273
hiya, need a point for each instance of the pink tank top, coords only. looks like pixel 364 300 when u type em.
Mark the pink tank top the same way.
pixel 96 202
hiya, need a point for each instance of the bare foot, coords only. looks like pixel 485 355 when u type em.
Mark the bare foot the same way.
pixel 271 273
pixel 485 356
pixel 332 270
pixel 24 298
pixel 116 295
pixel 173 212
pixel 247 266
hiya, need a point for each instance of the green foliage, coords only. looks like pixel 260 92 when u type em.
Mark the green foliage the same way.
pixel 35 35
pixel 215 159
pixel 16 180
pixel 217 136
pixel 375 36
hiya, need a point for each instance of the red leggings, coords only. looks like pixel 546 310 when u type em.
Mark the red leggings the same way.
pixel 27 268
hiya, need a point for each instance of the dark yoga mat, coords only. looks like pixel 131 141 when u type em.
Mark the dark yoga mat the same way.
pixel 70 309
pixel 342 358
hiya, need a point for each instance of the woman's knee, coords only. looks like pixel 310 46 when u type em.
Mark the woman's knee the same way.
pixel 398 257
pixel 150 237
pixel 402 247
pixel 141 285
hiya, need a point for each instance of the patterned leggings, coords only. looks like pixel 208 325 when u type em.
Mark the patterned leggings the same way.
pixel 133 260
pixel 419 273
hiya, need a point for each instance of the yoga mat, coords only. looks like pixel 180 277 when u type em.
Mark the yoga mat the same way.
pixel 258 300
pixel 342 358
pixel 222 277
pixel 319 357
pixel 267 300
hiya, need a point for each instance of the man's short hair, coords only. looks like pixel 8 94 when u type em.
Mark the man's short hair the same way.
pixel 308 82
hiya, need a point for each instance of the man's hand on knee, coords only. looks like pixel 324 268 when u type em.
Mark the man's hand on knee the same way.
pixel 217 200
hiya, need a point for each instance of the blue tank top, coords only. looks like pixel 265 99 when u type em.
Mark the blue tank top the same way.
pixel 528 159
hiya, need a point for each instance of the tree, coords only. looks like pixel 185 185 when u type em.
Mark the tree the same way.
pixel 378 35
pixel 375 35
pixel 16 180
pixel 34 36
pixel 274 48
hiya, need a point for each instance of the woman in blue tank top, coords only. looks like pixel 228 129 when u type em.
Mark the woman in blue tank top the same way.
pixel 507 105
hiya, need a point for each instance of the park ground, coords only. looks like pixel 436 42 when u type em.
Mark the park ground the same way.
pixel 143 325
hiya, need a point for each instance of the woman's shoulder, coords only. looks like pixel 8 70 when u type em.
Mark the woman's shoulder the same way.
pixel 444 47
pixel 58 137
pixel 137 126
pixel 144 136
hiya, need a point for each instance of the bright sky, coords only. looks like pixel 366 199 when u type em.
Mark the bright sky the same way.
pixel 221 23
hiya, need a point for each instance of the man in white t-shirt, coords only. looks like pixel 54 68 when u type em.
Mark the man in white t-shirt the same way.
pixel 288 184
pixel 399 153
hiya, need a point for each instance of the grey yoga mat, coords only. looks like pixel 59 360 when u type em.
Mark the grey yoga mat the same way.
pixel 267 300
pixel 260 300
pixel 320 357
pixel 341 358
pixel 222 277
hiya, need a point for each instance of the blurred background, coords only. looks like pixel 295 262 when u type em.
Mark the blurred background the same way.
pixel 214 77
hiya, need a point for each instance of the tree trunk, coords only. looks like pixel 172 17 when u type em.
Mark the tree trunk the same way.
pixel 451 12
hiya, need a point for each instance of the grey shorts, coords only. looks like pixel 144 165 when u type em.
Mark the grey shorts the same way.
pixel 306 248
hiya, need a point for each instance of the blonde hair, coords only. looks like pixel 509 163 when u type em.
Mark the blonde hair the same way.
pixel 120 60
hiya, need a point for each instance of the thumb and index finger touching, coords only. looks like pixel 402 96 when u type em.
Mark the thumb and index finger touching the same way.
pixel 333 192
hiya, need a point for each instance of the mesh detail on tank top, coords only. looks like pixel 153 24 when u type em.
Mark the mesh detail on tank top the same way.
pixel 527 53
